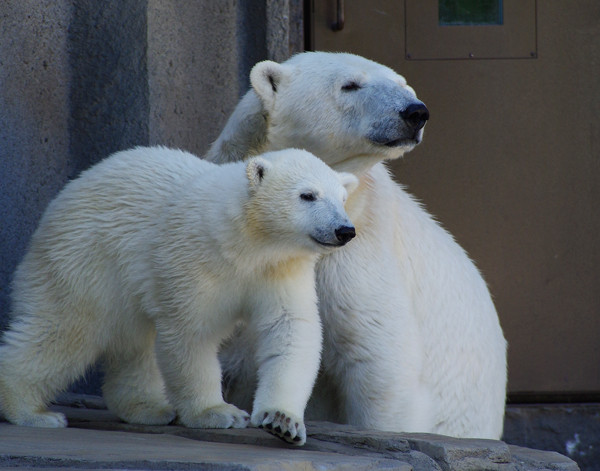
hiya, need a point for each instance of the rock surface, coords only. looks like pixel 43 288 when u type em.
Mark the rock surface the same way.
pixel 96 439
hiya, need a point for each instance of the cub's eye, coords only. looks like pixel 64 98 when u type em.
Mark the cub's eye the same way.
pixel 308 197
pixel 351 86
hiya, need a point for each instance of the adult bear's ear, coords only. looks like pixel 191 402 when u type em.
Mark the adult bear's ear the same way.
pixel 349 181
pixel 256 169
pixel 266 78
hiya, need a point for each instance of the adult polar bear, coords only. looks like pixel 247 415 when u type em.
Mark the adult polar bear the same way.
pixel 412 341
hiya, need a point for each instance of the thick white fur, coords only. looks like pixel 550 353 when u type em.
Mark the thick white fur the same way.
pixel 157 249
pixel 412 340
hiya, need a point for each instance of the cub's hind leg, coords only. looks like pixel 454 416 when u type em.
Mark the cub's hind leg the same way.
pixel 133 386
pixel 189 364
pixel 39 357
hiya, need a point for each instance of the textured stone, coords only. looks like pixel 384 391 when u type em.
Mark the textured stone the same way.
pixel 388 444
pixel 461 454
pixel 527 459
pixel 97 439
pixel 380 442
pixel 97 449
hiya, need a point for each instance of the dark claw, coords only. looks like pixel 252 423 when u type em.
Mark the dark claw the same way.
pixel 287 434
pixel 297 439
pixel 269 426
pixel 277 430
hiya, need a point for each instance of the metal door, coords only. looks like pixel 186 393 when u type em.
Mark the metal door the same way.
pixel 510 162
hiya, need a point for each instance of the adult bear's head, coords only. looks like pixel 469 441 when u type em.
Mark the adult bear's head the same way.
pixel 339 106
pixel 349 111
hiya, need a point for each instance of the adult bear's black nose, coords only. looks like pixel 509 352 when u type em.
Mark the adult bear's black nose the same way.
pixel 415 115
pixel 344 234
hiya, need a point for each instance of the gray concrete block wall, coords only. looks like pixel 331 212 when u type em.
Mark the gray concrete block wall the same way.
pixel 199 59
pixel 109 99
pixel 194 72
pixel 35 161
pixel 80 80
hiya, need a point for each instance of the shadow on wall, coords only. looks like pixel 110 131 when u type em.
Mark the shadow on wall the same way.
pixel 109 93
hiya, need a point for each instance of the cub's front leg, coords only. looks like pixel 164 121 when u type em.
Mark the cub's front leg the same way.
pixel 288 353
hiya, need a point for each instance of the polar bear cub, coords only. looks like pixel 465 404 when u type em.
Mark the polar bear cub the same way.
pixel 148 260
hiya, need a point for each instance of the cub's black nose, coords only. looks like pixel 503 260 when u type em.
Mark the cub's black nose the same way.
pixel 344 234
pixel 415 115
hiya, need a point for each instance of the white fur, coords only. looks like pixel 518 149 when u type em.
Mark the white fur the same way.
pixel 157 249
pixel 412 341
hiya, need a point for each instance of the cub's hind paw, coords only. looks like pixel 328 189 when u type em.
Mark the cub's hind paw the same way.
pixel 44 419
pixel 157 415
pixel 286 426
pixel 221 416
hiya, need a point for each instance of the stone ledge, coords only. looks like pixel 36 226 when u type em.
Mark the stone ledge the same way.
pixel 528 458
pixel 96 439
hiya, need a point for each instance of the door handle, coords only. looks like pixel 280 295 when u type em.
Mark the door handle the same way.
pixel 338 25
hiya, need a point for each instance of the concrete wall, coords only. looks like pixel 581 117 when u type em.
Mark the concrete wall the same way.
pixel 80 80
pixel 35 158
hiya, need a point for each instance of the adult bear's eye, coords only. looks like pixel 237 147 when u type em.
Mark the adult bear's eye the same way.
pixel 351 86
pixel 308 196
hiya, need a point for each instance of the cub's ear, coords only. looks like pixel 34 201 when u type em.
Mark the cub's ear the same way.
pixel 266 78
pixel 256 169
pixel 349 181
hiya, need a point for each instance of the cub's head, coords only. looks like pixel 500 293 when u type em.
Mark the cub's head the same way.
pixel 341 107
pixel 297 202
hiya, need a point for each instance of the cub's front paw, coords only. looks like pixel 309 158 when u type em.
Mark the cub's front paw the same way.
pixel 221 416
pixel 286 426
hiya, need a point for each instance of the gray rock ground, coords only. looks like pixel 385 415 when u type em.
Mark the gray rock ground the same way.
pixel 95 439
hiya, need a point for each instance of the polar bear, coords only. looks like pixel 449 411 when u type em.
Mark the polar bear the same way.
pixel 412 341
pixel 157 249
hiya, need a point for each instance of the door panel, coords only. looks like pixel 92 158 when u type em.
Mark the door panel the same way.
pixel 510 165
